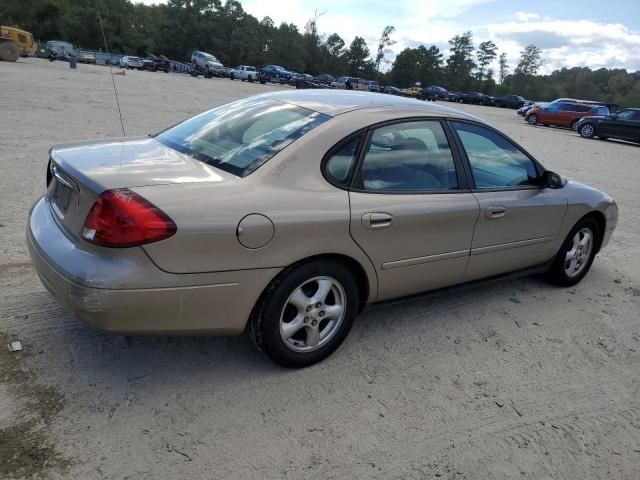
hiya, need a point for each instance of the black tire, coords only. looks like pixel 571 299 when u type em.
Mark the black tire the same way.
pixel 532 119
pixel 557 273
pixel 262 82
pixel 264 324
pixel 545 124
pixel 250 78
pixel 574 125
pixel 232 76
pixel 9 52
pixel 587 130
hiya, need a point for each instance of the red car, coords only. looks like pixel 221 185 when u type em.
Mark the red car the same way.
pixel 564 113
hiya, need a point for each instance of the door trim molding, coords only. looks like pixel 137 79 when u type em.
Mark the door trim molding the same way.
pixel 510 245
pixel 427 259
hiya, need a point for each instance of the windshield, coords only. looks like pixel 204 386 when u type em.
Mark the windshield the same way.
pixel 241 136
pixel 210 58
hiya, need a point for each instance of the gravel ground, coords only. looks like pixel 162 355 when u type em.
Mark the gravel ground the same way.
pixel 508 379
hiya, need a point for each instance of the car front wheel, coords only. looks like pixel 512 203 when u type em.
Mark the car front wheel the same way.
pixel 587 131
pixel 306 313
pixel 533 119
pixel 576 254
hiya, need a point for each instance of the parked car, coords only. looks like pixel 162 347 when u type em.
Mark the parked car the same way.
pixel 244 72
pixel 563 114
pixel 509 101
pixel 475 98
pixel 274 74
pixel 415 92
pixel 207 63
pixel 351 83
pixel 434 93
pixel 130 62
pixel 393 91
pixel 324 78
pixel 374 86
pixel 529 105
pixel 624 125
pixel 89 58
pixel 286 213
pixel 61 50
pixel 154 63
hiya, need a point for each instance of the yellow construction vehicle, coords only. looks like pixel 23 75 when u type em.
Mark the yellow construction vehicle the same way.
pixel 15 43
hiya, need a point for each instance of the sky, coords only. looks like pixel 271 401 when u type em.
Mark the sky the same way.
pixel 592 33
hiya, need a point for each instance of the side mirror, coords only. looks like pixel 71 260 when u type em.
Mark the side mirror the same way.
pixel 552 180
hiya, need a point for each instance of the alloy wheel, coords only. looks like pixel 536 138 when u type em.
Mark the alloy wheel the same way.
pixel 587 130
pixel 577 257
pixel 312 314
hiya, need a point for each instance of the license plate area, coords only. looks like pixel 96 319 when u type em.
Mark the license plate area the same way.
pixel 60 193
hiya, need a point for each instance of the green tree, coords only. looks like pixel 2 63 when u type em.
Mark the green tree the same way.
pixel 530 61
pixel 357 58
pixel 486 54
pixel 460 62
pixel 503 67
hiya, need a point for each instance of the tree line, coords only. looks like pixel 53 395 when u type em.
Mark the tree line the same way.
pixel 236 37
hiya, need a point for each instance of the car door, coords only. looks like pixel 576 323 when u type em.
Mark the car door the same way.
pixel 624 124
pixel 519 220
pixel 411 210
pixel 551 114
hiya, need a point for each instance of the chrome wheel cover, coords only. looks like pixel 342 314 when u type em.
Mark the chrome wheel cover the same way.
pixel 577 256
pixel 312 314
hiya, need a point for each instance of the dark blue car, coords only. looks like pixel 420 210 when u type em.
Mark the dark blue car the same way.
pixel 274 74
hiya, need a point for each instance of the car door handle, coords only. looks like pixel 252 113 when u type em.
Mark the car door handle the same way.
pixel 495 212
pixel 376 220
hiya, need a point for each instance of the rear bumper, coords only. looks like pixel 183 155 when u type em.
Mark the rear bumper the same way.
pixel 123 291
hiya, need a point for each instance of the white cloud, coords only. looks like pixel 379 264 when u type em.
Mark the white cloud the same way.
pixel 525 17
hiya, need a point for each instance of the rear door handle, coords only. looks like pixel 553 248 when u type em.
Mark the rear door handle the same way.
pixel 376 220
pixel 495 211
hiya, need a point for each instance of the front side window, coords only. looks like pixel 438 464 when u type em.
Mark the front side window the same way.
pixel 411 156
pixel 554 107
pixel 241 136
pixel 495 162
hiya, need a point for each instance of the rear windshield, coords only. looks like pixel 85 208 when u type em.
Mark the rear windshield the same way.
pixel 241 136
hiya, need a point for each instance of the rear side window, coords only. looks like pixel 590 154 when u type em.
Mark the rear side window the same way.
pixel 241 136
pixel 495 162
pixel 411 156
pixel 340 164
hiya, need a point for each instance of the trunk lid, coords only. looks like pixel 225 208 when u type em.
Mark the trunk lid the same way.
pixel 79 172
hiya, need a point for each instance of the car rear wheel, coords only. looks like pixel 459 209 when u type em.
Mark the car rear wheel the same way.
pixel 587 131
pixel 250 78
pixel 574 125
pixel 533 119
pixel 576 255
pixel 232 76
pixel 305 314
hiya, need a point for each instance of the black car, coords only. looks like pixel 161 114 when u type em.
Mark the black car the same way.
pixel 274 74
pixel 391 90
pixel 434 93
pixel 324 78
pixel 624 124
pixel 509 101
pixel 155 63
pixel 474 97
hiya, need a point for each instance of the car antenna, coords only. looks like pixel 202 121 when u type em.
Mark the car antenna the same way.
pixel 115 90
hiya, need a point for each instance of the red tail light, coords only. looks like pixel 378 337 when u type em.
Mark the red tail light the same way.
pixel 122 218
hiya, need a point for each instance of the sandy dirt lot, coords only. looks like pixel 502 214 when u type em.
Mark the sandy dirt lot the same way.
pixel 509 379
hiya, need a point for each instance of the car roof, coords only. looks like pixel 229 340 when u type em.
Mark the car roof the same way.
pixel 336 102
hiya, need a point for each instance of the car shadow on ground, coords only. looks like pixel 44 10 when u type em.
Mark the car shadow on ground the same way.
pixel 116 360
